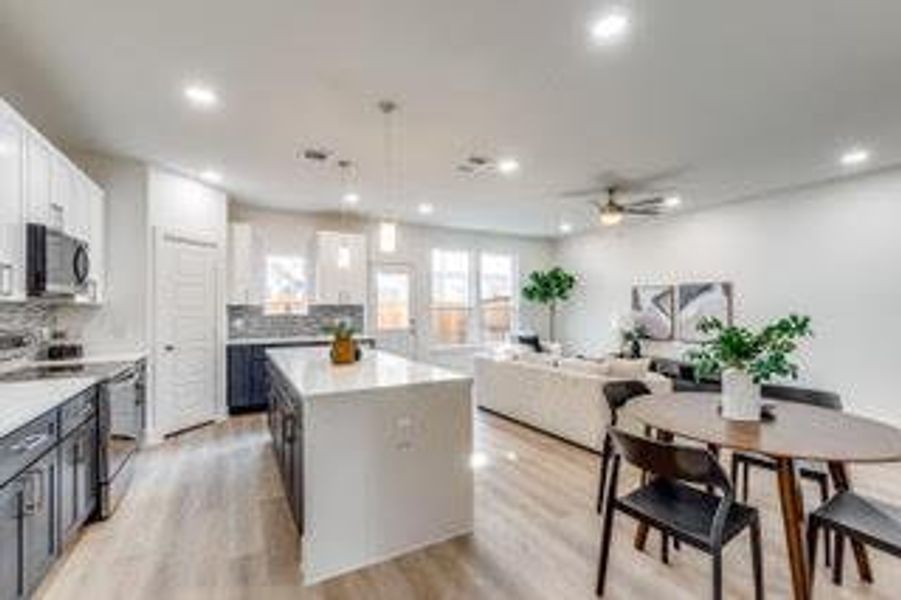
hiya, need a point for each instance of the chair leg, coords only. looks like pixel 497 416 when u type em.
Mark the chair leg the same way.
pixel 757 560
pixel 838 559
pixel 745 482
pixel 605 461
pixel 812 534
pixel 733 472
pixel 718 574
pixel 607 531
pixel 664 548
pixel 827 545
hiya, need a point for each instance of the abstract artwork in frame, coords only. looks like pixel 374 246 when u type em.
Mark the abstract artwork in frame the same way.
pixel 699 300
pixel 652 309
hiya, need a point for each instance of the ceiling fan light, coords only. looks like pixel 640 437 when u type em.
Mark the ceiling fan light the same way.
pixel 611 217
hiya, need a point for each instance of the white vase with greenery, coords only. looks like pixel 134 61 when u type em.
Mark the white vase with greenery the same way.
pixel 745 359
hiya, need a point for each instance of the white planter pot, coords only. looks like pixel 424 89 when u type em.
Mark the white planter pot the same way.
pixel 741 396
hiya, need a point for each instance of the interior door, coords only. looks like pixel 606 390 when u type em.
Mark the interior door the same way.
pixel 185 343
pixel 395 309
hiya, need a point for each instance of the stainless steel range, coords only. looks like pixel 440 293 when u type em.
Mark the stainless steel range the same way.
pixel 121 419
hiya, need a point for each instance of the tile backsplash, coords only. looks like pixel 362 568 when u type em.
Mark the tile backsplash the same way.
pixel 249 321
pixel 30 321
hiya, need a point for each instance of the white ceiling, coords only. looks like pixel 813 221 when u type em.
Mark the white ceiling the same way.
pixel 740 97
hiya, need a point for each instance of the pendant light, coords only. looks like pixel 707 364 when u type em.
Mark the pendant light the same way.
pixel 388 226
pixel 343 255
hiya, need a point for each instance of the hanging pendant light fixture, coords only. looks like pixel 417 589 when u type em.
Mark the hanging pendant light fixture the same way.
pixel 388 226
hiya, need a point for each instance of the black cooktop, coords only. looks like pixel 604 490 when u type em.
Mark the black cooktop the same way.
pixel 99 370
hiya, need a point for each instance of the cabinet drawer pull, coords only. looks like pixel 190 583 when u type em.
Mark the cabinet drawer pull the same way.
pixel 29 442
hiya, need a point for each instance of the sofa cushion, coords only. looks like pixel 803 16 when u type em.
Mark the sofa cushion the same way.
pixel 628 368
pixel 587 367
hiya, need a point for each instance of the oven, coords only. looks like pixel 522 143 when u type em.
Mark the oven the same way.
pixel 121 428
pixel 57 264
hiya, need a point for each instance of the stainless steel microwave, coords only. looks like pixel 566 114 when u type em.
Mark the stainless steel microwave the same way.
pixel 57 263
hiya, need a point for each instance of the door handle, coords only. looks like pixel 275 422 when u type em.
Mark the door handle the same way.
pixel 30 442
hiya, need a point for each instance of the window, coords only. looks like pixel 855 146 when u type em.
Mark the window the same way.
pixel 450 297
pixel 392 294
pixel 286 285
pixel 497 281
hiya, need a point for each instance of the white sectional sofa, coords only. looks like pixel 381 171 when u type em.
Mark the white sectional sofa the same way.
pixel 561 396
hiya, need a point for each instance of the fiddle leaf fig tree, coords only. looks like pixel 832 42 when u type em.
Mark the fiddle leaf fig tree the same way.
pixel 762 354
pixel 549 288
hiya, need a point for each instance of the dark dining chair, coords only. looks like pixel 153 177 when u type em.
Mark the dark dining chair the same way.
pixel 671 503
pixel 848 515
pixel 616 394
pixel 817 472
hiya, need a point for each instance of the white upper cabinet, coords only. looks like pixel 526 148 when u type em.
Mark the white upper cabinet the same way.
pixel 37 179
pixel 341 268
pixel 244 278
pixel 96 237
pixel 38 184
pixel 12 230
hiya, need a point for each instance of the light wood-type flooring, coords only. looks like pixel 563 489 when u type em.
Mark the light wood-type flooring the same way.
pixel 206 518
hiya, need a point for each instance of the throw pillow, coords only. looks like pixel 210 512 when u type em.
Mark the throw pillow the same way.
pixel 629 368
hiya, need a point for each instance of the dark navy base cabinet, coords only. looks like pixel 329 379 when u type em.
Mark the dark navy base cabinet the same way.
pixel 247 378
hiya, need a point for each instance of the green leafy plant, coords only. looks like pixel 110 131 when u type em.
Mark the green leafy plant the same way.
pixel 763 354
pixel 342 329
pixel 549 288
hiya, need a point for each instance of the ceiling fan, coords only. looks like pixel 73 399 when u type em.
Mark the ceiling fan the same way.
pixel 612 210
pixel 611 207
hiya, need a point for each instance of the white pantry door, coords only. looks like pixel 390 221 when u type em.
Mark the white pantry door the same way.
pixel 185 339
pixel 395 309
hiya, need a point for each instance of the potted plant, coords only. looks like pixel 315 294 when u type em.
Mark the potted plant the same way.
pixel 746 358
pixel 549 288
pixel 344 347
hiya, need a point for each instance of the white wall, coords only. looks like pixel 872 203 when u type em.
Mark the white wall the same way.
pixel 832 252
pixel 120 325
pixel 292 233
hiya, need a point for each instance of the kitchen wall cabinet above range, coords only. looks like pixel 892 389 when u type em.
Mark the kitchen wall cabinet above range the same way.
pixel 341 268
pixel 39 184
pixel 244 285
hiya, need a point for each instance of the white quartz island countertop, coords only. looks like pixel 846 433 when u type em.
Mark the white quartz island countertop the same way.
pixel 312 373
pixel 386 445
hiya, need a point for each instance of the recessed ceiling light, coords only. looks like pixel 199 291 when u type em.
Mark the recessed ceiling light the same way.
pixel 211 176
pixel 508 165
pixel 201 96
pixel 855 156
pixel 426 209
pixel 351 198
pixel 566 228
pixel 672 201
pixel 610 28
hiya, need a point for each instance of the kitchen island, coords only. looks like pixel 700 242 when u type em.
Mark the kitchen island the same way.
pixel 374 455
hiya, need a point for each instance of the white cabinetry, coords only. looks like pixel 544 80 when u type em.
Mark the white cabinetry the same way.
pixel 244 276
pixel 37 179
pixel 12 230
pixel 38 184
pixel 341 268
pixel 95 235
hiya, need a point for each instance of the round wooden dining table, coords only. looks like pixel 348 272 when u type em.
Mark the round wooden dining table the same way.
pixel 797 432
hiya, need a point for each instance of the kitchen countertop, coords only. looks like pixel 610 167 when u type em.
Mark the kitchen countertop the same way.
pixel 117 357
pixel 22 402
pixel 286 341
pixel 311 372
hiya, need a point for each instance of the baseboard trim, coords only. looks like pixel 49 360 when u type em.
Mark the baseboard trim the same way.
pixel 538 430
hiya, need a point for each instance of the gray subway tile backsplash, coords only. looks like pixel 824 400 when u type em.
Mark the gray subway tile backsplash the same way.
pixel 249 320
pixel 29 322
